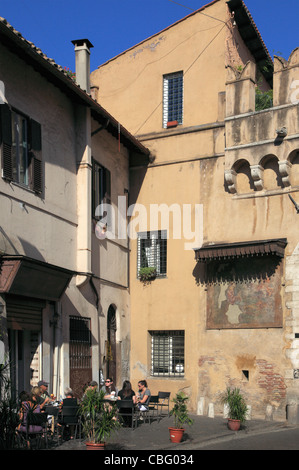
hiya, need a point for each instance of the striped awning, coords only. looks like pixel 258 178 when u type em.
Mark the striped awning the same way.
pixel 242 249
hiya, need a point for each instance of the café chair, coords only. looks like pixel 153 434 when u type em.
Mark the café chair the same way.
pixel 127 413
pixel 164 398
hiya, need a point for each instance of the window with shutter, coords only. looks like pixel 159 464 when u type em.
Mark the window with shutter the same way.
pixel 20 141
pixel 6 142
pixel 101 187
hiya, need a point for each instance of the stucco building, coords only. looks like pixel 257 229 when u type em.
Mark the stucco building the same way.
pixel 64 295
pixel 213 214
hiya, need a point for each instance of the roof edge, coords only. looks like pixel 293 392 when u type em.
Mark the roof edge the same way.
pixel 159 32
pixel 43 64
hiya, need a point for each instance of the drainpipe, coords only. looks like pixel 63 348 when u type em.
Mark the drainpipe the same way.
pixel 84 164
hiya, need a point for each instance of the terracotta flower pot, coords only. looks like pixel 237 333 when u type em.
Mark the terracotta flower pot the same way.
pixel 176 434
pixel 95 445
pixel 234 424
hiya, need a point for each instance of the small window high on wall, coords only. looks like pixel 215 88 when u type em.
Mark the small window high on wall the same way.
pixel 172 99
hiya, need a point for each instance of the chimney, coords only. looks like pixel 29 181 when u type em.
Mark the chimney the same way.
pixel 82 54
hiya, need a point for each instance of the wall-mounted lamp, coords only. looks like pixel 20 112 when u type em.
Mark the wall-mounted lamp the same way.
pixel 54 322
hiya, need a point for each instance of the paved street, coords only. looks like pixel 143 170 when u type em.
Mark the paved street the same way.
pixel 286 439
pixel 205 434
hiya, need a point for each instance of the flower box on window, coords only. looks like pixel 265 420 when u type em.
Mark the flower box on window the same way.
pixel 172 124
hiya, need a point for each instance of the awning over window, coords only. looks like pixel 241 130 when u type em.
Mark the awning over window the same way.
pixel 241 249
pixel 27 277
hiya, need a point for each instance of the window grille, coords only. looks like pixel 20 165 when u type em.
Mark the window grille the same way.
pixel 167 353
pixel 80 343
pixel 152 251
pixel 173 98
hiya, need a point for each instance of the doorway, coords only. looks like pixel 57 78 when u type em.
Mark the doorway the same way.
pixel 80 354
pixel 111 343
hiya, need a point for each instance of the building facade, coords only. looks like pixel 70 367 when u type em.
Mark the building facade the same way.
pixel 213 217
pixel 64 290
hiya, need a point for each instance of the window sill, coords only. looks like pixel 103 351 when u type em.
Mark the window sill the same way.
pixel 163 377
pixel 171 124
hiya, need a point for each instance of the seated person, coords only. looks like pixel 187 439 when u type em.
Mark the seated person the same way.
pixel 126 393
pixel 65 420
pixel 143 396
pixel 37 394
pixel 69 399
pixel 30 406
pixel 109 389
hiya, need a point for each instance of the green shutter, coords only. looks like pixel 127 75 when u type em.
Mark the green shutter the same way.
pixel 36 156
pixel 6 141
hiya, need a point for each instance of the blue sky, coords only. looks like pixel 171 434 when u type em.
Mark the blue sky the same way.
pixel 113 26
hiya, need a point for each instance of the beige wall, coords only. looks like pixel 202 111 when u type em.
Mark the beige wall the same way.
pixel 38 228
pixel 57 227
pixel 194 164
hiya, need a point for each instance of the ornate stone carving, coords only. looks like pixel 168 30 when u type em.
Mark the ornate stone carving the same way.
pixel 284 170
pixel 230 179
pixel 257 174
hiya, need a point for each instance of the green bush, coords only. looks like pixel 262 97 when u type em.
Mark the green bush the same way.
pixel 236 403
pixel 180 411
pixel 99 418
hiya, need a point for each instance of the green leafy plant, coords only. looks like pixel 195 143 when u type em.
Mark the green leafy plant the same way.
pixel 99 418
pixel 180 411
pixel 147 274
pixel 263 99
pixel 9 407
pixel 236 404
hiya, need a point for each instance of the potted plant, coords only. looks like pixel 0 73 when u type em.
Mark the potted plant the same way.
pixel 9 409
pixel 99 418
pixel 237 408
pixel 147 274
pixel 180 415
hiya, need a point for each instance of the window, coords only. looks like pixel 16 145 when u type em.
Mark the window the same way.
pixel 21 145
pixel 19 148
pixel 80 343
pixel 152 251
pixel 172 98
pixel 167 353
pixel 101 188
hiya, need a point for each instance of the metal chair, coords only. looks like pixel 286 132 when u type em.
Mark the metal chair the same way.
pixel 69 417
pixel 164 398
pixel 153 409
pixel 52 413
pixel 29 438
pixel 127 412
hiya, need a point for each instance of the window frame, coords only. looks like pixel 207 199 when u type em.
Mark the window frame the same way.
pixel 173 99
pixel 167 353
pixel 101 189
pixel 34 170
pixel 19 142
pixel 157 254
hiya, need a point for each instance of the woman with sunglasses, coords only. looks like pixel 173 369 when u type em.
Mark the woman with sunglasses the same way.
pixel 109 389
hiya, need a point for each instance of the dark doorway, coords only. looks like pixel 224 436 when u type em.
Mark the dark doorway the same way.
pixel 80 354
pixel 111 343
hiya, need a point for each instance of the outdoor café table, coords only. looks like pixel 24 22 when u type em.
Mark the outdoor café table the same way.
pixel 52 411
